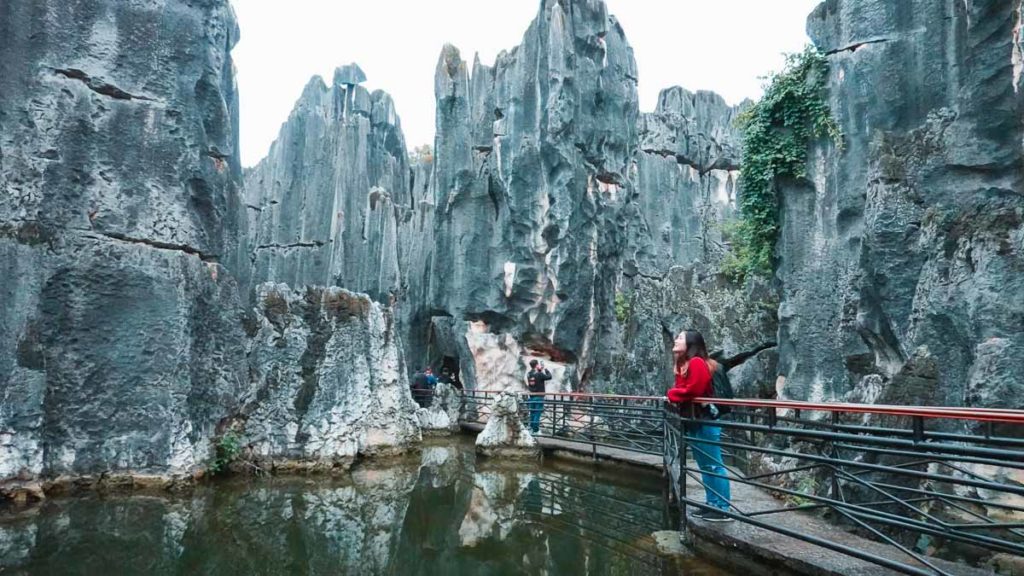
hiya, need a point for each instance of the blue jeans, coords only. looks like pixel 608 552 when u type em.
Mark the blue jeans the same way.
pixel 536 404
pixel 709 458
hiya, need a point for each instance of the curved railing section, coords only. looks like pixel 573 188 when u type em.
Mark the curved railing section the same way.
pixel 925 482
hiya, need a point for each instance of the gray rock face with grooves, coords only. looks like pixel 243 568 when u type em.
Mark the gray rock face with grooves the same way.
pixel 688 166
pixel 329 380
pixel 120 345
pixel 533 158
pixel 901 256
pixel 688 161
pixel 325 203
pixel 546 195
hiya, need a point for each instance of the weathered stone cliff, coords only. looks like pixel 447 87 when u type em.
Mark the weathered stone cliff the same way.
pixel 125 349
pixel 329 380
pixel 552 220
pixel 901 255
pixel 547 194
pixel 532 166
pixel 688 161
pixel 120 341
pixel 324 204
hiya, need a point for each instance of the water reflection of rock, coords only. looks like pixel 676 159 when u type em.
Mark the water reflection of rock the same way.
pixel 492 509
pixel 439 515
pixel 279 527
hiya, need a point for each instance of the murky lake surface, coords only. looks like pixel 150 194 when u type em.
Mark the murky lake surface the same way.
pixel 438 513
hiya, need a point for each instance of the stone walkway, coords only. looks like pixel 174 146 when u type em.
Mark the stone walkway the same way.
pixel 750 548
pixel 754 550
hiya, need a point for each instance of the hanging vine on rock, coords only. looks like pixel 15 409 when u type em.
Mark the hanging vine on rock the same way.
pixel 776 133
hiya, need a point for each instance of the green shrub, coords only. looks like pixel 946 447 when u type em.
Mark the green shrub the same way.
pixel 226 451
pixel 776 133
pixel 622 308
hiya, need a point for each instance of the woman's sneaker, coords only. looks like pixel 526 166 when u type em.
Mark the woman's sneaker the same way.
pixel 714 516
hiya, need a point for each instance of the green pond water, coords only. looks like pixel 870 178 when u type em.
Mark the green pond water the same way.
pixel 439 512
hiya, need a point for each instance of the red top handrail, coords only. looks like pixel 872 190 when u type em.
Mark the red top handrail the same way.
pixel 1002 415
pixel 948 412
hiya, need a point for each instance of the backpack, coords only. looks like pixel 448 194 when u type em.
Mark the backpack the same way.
pixel 721 388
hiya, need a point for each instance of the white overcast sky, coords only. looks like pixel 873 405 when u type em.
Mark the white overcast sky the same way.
pixel 721 45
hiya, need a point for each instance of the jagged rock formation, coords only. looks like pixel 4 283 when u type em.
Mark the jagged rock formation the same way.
pixel 550 193
pixel 901 255
pixel 544 198
pixel 125 242
pixel 325 204
pixel 329 381
pixel 532 165
pixel 123 246
pixel 505 435
pixel 120 341
pixel 442 416
pixel 687 170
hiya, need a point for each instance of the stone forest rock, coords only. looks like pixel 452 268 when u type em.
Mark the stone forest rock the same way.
pixel 542 201
pixel 442 416
pixel 329 381
pixel 532 163
pixel 149 306
pixel 123 249
pixel 687 170
pixel 505 435
pixel 121 347
pixel 901 254
pixel 325 204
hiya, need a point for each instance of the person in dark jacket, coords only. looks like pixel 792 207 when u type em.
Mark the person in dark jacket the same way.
pixel 535 380
pixel 421 388
pixel 693 371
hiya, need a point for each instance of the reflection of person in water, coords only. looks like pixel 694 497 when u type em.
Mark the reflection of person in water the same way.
pixel 533 502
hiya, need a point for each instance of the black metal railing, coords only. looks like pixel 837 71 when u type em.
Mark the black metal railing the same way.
pixel 925 482
pixel 594 513
pixel 631 423
pixel 424 397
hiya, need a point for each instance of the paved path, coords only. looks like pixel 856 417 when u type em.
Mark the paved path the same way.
pixel 760 546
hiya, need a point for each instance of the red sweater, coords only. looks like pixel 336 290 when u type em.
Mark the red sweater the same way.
pixel 697 382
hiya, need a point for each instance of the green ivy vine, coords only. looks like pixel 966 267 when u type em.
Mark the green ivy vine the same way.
pixel 776 133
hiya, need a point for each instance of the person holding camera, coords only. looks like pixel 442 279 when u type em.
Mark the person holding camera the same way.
pixel 535 380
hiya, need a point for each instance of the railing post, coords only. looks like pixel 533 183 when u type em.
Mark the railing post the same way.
pixel 773 417
pixel 918 429
pixel 682 471
pixel 593 440
pixel 565 408
pixel 835 454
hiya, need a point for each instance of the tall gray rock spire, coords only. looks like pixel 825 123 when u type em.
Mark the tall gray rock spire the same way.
pixel 323 205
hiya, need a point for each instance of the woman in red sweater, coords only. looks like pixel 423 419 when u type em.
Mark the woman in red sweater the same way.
pixel 693 372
